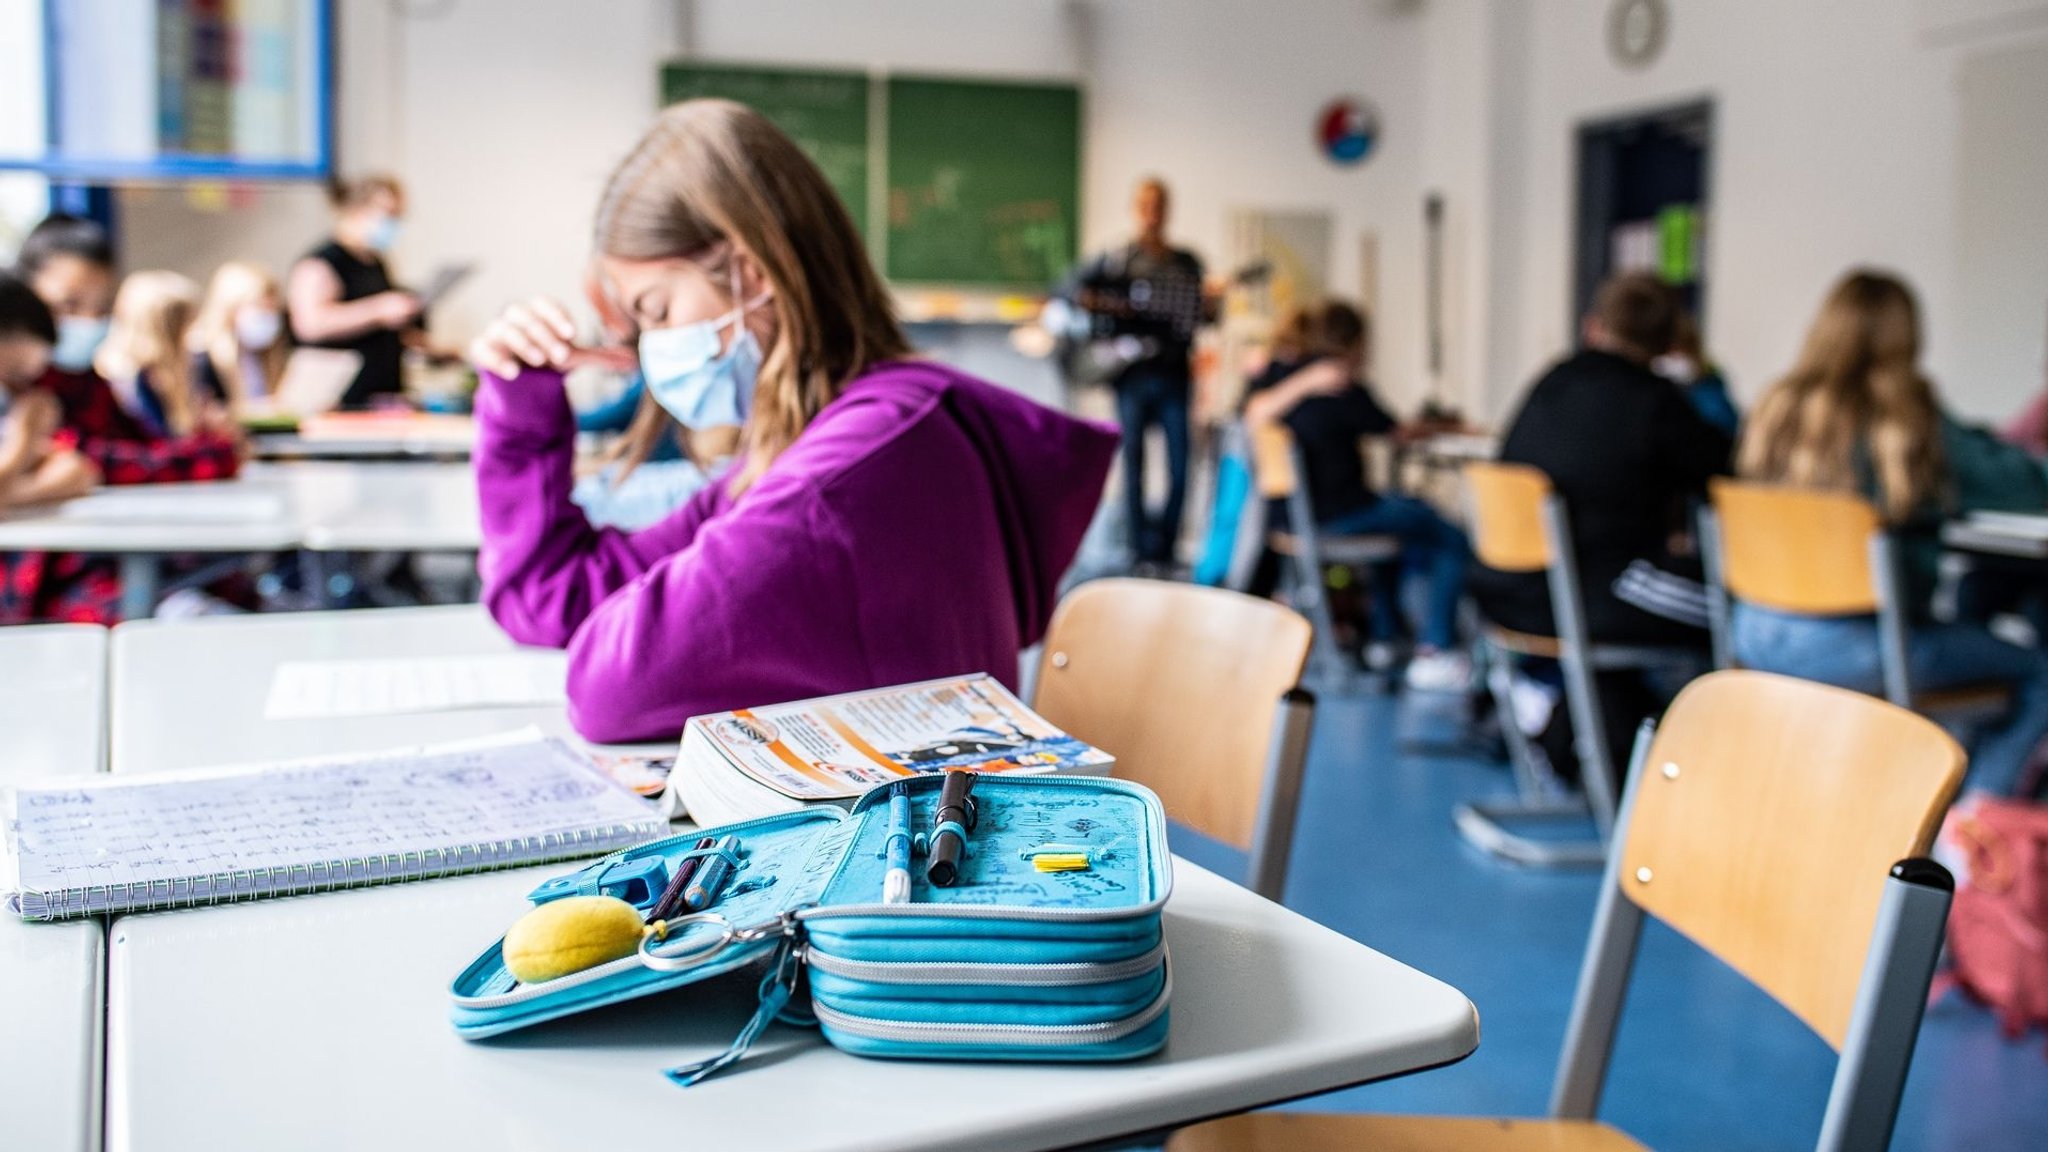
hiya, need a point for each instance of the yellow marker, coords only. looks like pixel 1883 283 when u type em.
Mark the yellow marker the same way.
pixel 1061 862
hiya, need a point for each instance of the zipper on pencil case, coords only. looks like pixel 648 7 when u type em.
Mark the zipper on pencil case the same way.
pixel 996 1035
pixel 1024 975
pixel 559 984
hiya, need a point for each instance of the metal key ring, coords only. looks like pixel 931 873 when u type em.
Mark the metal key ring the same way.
pixel 677 961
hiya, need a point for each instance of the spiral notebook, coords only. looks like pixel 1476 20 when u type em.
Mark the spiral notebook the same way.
pixel 83 847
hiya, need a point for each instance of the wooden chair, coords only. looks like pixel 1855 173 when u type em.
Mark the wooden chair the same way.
pixel 1736 833
pixel 1196 692
pixel 1815 553
pixel 1276 475
pixel 1519 524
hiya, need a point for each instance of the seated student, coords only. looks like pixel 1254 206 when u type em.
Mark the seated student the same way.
pixel 888 520
pixel 1856 415
pixel 1628 454
pixel 69 263
pixel 143 358
pixel 237 342
pixel 1687 366
pixel 1314 386
pixel 34 467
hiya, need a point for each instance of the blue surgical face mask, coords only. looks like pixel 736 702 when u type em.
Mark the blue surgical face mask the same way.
pixel 383 232
pixel 78 339
pixel 688 376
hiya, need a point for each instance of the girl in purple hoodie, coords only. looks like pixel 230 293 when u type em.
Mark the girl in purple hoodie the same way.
pixel 888 519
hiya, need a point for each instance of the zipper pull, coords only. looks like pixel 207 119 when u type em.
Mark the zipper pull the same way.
pixel 776 988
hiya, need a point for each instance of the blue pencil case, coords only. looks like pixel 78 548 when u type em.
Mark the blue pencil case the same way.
pixel 1008 963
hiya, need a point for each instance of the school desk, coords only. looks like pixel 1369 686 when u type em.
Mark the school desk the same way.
pixel 321 1023
pixel 324 508
pixel 225 1012
pixel 372 436
pixel 192 694
pixel 52 710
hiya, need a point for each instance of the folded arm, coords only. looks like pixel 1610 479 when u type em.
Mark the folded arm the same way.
pixel 544 568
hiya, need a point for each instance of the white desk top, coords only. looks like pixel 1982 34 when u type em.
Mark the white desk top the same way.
pixel 53 700
pixel 52 703
pixel 399 507
pixel 191 693
pixel 321 1023
pixel 269 507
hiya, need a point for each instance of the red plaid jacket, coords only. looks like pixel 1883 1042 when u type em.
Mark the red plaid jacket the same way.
pixel 87 590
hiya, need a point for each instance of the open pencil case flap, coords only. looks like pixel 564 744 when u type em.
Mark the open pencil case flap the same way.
pixel 1010 962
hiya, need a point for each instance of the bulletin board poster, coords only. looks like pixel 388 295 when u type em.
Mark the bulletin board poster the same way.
pixel 825 112
pixel 167 89
pixel 984 182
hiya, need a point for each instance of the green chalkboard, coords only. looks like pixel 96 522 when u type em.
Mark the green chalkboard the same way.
pixel 826 113
pixel 984 182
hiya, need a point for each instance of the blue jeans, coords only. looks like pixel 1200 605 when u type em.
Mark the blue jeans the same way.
pixel 1431 547
pixel 1144 397
pixel 1843 651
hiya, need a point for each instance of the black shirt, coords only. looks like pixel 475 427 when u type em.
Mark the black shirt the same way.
pixel 1626 450
pixel 382 349
pixel 1164 294
pixel 1327 430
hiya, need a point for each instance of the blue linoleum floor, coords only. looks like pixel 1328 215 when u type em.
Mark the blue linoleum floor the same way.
pixel 1703 1060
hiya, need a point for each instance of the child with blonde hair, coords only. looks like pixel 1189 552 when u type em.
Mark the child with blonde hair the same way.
pixel 144 359
pixel 238 342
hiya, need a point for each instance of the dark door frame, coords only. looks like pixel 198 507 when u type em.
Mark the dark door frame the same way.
pixel 1594 142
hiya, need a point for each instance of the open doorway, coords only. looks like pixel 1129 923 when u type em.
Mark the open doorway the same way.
pixel 1643 201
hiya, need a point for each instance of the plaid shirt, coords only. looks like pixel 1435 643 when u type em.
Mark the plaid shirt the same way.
pixel 87 590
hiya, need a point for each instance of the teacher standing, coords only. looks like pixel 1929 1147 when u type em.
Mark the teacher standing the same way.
pixel 340 294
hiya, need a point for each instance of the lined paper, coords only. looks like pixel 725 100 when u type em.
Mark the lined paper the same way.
pixel 111 842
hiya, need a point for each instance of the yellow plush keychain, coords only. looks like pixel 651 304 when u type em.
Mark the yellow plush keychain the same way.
pixel 571 934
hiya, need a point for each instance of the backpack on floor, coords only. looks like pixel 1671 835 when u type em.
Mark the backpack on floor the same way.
pixel 1998 925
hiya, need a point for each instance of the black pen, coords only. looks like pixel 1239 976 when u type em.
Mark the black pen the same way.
pixel 671 899
pixel 951 822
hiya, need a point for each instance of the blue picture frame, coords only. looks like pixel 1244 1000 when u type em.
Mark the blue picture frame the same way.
pixel 176 167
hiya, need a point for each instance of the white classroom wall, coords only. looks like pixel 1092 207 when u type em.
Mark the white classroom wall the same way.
pixel 1906 133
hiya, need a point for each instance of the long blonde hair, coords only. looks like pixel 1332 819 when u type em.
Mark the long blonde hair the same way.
pixel 1855 398
pixel 235 285
pixel 711 175
pixel 152 312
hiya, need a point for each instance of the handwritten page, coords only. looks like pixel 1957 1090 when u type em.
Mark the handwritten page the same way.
pixel 90 845
pixel 320 689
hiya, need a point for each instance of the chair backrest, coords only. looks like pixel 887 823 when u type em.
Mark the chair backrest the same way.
pixel 1505 506
pixel 1192 689
pixel 1796 549
pixel 1273 464
pixel 1767 815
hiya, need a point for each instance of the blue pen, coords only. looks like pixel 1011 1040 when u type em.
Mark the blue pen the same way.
pixel 896 885
pixel 711 877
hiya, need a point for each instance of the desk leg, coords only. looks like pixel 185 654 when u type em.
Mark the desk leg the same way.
pixel 140 572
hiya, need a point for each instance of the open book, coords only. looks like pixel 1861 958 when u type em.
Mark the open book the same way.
pixel 758 761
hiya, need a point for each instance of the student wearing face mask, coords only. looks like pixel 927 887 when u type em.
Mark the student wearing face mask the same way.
pixel 340 295
pixel 69 263
pixel 237 343
pixel 887 520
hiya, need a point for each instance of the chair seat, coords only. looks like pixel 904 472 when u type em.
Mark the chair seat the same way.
pixel 1339 549
pixel 1315 1132
pixel 1976 700
pixel 1602 655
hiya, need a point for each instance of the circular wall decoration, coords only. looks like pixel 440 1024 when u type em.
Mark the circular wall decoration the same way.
pixel 1636 31
pixel 1347 130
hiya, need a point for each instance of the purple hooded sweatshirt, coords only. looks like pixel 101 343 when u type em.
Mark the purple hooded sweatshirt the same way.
pixel 916 529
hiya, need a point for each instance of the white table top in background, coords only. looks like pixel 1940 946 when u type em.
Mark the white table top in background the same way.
pixel 322 1023
pixel 325 506
pixel 52 712
pixel 191 693
pixel 53 700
